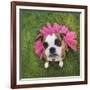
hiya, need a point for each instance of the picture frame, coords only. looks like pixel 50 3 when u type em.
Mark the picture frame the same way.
pixel 16 80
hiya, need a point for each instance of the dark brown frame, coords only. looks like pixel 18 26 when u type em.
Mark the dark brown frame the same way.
pixel 13 44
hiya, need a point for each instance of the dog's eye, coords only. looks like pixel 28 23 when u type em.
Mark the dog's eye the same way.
pixel 45 44
pixel 57 42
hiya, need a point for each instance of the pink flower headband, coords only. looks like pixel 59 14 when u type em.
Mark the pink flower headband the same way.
pixel 69 38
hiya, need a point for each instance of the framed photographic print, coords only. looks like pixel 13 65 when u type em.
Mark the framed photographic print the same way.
pixel 48 44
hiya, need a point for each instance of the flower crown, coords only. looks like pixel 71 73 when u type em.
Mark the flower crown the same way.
pixel 69 37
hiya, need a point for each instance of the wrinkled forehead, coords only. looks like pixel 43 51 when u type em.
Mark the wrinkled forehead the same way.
pixel 51 38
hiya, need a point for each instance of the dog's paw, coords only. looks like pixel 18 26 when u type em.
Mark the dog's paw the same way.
pixel 61 64
pixel 46 65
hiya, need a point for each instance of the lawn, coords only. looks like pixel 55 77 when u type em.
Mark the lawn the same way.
pixel 30 23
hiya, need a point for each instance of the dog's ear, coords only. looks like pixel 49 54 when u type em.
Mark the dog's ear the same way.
pixel 61 35
pixel 39 36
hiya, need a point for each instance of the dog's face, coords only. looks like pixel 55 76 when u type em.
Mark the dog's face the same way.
pixel 53 47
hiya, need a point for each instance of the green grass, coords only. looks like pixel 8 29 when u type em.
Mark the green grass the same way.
pixel 30 65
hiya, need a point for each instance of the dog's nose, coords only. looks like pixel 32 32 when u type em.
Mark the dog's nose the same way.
pixel 52 50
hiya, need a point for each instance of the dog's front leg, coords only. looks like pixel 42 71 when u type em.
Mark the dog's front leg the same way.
pixel 61 63
pixel 46 65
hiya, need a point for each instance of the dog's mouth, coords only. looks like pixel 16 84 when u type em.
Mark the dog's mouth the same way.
pixel 53 55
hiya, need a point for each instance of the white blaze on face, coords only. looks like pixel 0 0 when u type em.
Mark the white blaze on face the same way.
pixel 50 39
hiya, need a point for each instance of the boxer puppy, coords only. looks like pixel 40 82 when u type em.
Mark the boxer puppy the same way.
pixel 54 48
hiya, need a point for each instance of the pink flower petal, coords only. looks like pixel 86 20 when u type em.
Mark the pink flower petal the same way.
pixel 64 29
pixel 56 27
pixel 38 47
pixel 71 43
pixel 47 30
pixel 43 32
pixel 50 28
pixel 71 35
